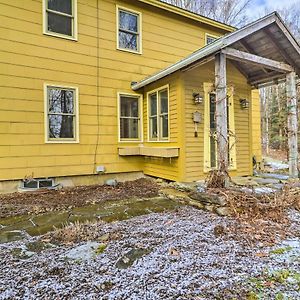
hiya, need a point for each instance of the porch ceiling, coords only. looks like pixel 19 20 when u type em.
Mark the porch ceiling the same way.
pixel 272 43
pixel 267 37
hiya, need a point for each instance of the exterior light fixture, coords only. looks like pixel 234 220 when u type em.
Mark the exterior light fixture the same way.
pixel 198 99
pixel 245 104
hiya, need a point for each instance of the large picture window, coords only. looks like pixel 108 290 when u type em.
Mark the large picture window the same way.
pixel 61 114
pixel 129 30
pixel 60 18
pixel 158 108
pixel 130 121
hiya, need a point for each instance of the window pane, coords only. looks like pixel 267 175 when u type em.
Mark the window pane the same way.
pixel 165 126
pixel 213 153
pixel 212 110
pixel 128 21
pixel 128 41
pixel 153 104
pixel 164 101
pixel 129 128
pixel 59 24
pixel 61 126
pixel 210 39
pixel 153 127
pixel 61 101
pixel 64 6
pixel 129 107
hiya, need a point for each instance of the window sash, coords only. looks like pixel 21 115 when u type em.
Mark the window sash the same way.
pixel 73 115
pixel 159 117
pixel 59 13
pixel 138 118
pixel 127 31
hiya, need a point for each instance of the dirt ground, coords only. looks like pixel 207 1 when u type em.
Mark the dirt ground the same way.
pixel 50 200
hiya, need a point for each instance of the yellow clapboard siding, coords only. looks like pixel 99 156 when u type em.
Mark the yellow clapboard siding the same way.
pixel 28 59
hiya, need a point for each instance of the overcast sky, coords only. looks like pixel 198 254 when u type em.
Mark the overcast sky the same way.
pixel 258 7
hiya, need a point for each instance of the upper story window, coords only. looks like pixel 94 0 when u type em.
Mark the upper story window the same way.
pixel 210 39
pixel 158 114
pixel 61 114
pixel 130 120
pixel 129 30
pixel 60 18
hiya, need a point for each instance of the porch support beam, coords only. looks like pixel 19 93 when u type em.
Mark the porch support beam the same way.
pixel 221 112
pixel 291 93
pixel 256 60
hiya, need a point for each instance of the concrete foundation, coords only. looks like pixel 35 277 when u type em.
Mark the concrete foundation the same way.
pixel 11 186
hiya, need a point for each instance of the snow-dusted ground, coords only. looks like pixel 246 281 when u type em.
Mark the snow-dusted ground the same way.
pixel 183 259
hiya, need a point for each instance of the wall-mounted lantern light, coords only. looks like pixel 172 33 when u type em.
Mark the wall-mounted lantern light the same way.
pixel 245 104
pixel 198 99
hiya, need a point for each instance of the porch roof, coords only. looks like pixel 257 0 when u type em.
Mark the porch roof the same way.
pixel 263 51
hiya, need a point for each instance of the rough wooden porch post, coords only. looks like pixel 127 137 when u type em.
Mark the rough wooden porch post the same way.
pixel 291 93
pixel 221 112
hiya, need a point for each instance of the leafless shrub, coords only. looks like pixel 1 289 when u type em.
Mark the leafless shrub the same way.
pixel 74 233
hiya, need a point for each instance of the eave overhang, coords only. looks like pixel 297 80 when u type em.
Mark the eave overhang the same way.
pixel 267 37
pixel 188 14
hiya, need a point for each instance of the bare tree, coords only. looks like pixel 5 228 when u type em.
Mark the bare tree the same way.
pixel 232 12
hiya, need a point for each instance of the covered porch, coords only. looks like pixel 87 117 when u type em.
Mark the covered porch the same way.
pixel 264 52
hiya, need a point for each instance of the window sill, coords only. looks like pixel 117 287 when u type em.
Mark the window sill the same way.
pixel 61 142
pixel 164 152
pixel 57 35
pixel 130 51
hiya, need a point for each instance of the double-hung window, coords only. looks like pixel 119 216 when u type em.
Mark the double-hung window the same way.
pixel 129 30
pixel 60 18
pixel 158 114
pixel 61 114
pixel 130 121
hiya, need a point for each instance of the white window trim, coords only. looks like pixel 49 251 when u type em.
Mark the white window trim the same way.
pixel 167 86
pixel 207 35
pixel 74 24
pixel 141 130
pixel 140 31
pixel 46 121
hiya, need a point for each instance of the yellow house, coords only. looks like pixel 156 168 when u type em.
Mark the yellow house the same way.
pixel 99 88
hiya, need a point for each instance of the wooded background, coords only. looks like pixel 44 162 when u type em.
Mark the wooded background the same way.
pixel 273 99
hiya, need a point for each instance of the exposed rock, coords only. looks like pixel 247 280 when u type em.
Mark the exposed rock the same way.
pixel 130 257
pixel 111 182
pixel 223 211
pixel 10 236
pixel 264 190
pixel 266 181
pixel 196 204
pixel 244 181
pixel 274 176
pixel 185 186
pixel 174 194
pixel 83 252
pixel 208 198
pixel 209 207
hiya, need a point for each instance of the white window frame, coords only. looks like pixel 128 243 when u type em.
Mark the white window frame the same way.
pixel 140 127
pixel 139 33
pixel 74 37
pixel 159 138
pixel 208 35
pixel 76 115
